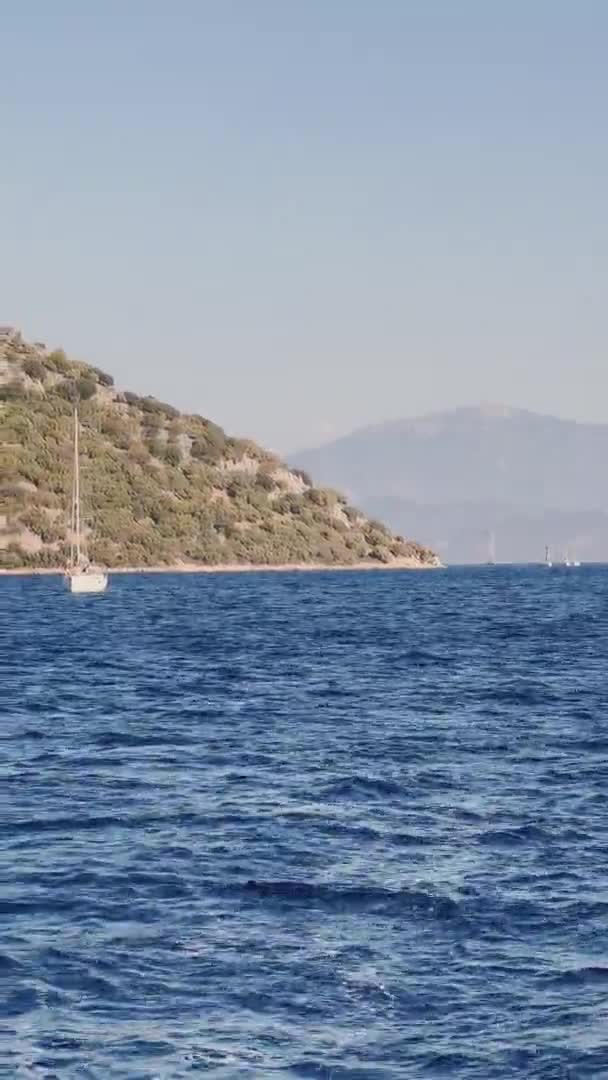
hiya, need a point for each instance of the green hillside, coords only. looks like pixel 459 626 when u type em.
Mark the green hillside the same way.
pixel 159 488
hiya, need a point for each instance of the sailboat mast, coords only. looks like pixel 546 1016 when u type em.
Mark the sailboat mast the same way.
pixel 76 487
pixel 81 578
pixel 71 562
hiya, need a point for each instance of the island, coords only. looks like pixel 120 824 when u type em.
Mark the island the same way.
pixel 161 490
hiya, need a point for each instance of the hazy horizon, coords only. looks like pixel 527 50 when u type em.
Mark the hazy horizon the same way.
pixel 491 408
pixel 300 221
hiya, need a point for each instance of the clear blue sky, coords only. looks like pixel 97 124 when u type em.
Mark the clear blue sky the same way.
pixel 298 217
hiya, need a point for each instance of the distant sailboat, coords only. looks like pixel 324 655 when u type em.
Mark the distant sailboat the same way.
pixel 491 549
pixel 80 577
pixel 548 561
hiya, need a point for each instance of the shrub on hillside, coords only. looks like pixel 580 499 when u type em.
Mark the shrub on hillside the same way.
pixel 139 454
pixel 58 361
pixel 380 554
pixel 151 405
pixel 375 527
pixel 320 497
pixel 156 447
pixel 237 485
pixel 85 387
pixel 66 389
pixel 115 428
pixel 208 450
pixel 152 423
pixel 34 368
pixel 49 531
pixel 172 455
pixel 75 390
pixel 289 504
pixel 265 481
pixel 102 377
pixel 12 557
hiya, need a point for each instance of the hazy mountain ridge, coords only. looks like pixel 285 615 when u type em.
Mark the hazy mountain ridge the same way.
pixel 455 476
pixel 159 487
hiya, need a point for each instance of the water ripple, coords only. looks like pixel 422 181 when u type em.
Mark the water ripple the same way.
pixel 343 826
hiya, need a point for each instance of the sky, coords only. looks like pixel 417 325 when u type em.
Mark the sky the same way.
pixel 299 218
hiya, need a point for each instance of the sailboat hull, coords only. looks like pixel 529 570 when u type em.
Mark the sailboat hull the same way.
pixel 87 583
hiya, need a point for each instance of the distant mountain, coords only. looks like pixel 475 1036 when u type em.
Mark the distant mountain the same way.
pixel 158 487
pixel 454 477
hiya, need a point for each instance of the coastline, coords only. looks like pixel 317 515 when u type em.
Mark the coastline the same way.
pixel 233 568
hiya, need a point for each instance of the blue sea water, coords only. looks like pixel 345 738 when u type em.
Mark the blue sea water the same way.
pixel 341 825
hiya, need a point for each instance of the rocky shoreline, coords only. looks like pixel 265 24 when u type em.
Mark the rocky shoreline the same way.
pixel 233 568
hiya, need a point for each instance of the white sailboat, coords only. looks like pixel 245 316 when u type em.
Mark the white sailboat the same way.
pixel 571 560
pixel 548 560
pixel 80 576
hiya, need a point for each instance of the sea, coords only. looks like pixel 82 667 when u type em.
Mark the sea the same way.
pixel 305 825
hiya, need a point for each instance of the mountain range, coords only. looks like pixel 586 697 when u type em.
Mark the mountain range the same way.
pixel 457 477
pixel 159 488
